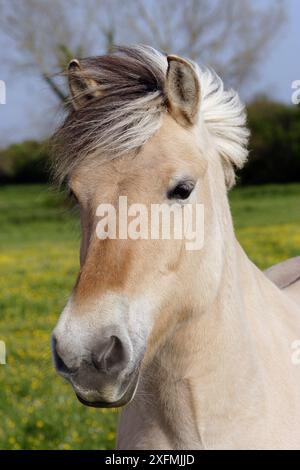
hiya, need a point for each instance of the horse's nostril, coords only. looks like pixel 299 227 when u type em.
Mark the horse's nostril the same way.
pixel 109 355
pixel 59 363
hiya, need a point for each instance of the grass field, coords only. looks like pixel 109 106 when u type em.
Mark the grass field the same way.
pixel 39 240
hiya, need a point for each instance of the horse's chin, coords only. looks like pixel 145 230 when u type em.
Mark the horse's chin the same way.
pixel 126 398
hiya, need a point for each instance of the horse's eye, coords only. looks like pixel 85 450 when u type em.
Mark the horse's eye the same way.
pixel 182 190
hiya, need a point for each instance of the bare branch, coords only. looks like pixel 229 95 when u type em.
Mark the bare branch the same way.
pixel 232 36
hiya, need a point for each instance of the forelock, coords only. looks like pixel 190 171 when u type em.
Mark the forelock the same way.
pixel 127 114
pixel 130 107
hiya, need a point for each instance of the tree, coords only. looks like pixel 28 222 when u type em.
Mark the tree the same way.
pixel 232 36
pixel 46 35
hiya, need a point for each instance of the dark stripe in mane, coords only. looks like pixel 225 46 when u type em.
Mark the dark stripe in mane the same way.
pixel 113 121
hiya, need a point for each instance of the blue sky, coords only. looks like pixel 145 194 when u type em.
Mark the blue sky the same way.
pixel 282 63
pixel 31 111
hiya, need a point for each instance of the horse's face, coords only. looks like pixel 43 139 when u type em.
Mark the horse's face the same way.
pixel 128 291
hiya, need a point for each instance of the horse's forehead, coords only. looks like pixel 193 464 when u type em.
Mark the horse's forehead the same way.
pixel 171 150
pixel 171 144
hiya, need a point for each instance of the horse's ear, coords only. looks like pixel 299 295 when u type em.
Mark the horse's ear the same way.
pixel 183 90
pixel 82 87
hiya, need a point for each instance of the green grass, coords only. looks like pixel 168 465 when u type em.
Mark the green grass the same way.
pixel 39 243
pixel 267 221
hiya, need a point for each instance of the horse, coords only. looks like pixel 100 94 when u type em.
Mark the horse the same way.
pixel 199 347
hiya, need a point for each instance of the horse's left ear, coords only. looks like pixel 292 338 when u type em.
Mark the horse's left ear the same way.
pixel 82 86
pixel 183 90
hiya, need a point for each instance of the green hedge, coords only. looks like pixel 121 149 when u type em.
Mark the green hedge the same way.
pixel 274 150
pixel 26 162
pixel 274 144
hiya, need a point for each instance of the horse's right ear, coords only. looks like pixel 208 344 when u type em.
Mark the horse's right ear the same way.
pixel 183 90
pixel 82 87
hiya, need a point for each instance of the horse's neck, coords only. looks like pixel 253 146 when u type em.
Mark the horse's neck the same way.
pixel 211 370
pixel 204 370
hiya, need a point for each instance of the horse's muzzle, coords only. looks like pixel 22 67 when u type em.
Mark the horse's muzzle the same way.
pixel 104 378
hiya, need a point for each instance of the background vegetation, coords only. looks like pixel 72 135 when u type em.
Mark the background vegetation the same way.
pixel 274 144
pixel 39 234
pixel 39 241
pixel 274 149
